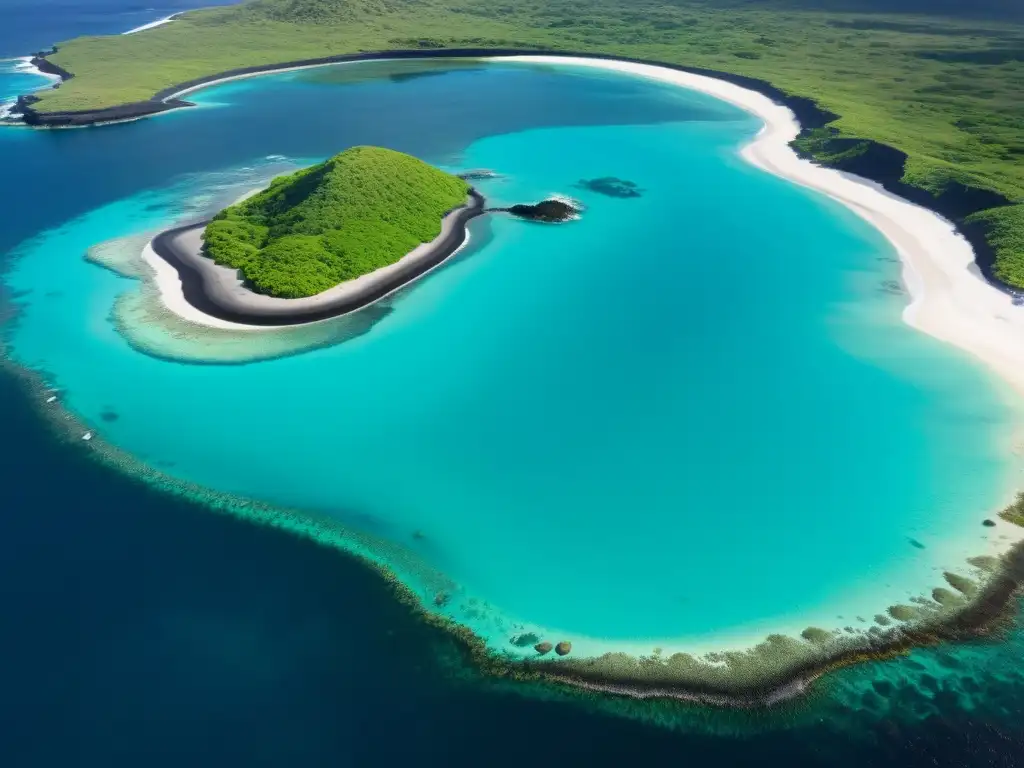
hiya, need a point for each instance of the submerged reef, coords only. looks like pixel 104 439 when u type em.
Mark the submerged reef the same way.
pixel 777 669
pixel 477 174
pixel 121 255
pixel 611 187
pixel 150 327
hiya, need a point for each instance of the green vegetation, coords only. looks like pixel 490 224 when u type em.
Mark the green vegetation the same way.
pixel 356 212
pixel 946 91
pixel 1015 512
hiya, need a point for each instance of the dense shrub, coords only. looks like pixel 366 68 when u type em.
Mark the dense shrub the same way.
pixel 356 212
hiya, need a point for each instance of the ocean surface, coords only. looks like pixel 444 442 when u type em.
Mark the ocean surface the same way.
pixel 28 26
pixel 638 426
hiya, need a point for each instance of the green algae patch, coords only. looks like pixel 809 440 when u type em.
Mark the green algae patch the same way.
pixel 985 563
pixel 1014 513
pixel 904 612
pixel 944 597
pixel 361 210
pixel 816 635
pixel 961 583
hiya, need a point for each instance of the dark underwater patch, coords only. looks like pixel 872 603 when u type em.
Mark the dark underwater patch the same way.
pixel 611 187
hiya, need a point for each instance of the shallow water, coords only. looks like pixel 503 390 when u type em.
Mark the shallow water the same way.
pixel 688 419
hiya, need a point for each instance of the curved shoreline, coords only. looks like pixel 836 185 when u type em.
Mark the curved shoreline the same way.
pixel 974 620
pixel 216 292
pixel 878 162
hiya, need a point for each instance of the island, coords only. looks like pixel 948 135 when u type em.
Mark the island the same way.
pixel 826 69
pixel 329 239
pixel 356 212
pixel 864 85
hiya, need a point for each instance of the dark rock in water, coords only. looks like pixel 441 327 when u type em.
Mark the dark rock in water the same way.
pixel 563 648
pixel 542 648
pixel 524 640
pixel 441 599
pixel 478 173
pixel 546 211
pixel 988 523
pixel 109 416
pixel 611 187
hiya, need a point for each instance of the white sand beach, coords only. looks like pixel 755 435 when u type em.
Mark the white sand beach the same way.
pixel 225 284
pixel 151 25
pixel 950 300
pixel 169 285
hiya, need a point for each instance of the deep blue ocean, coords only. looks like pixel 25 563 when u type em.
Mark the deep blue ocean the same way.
pixel 138 628
pixel 28 26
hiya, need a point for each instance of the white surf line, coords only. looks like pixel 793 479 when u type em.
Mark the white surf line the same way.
pixel 26 67
pixel 950 299
pixel 152 24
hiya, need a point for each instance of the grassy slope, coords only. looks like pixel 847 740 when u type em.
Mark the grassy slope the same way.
pixel 360 210
pixel 947 92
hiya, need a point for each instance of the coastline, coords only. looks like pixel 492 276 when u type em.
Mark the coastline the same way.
pixel 950 299
pixel 874 161
pixel 200 291
pixel 792 686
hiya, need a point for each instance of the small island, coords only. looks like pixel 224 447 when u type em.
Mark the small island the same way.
pixel 327 240
pixel 361 210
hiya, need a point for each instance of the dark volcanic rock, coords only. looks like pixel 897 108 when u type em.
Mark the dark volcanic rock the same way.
pixel 478 173
pixel 611 186
pixel 547 211
pixel 542 648
pixel 563 648
pixel 989 523
pixel 524 640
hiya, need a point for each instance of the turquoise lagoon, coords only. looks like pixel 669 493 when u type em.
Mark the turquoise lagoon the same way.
pixel 686 421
